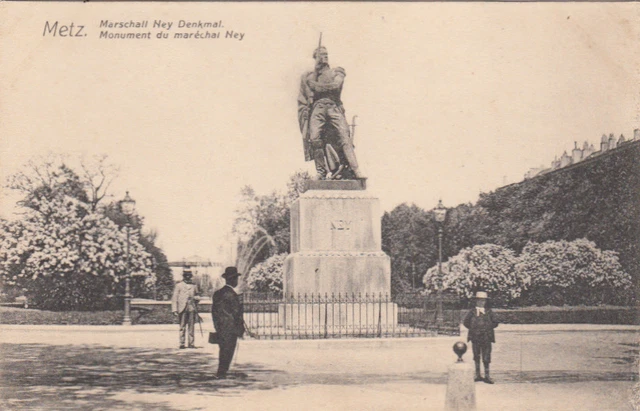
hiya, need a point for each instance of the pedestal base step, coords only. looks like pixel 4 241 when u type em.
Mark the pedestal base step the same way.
pixel 336 316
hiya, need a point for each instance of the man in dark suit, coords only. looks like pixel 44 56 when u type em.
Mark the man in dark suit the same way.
pixel 226 312
pixel 481 321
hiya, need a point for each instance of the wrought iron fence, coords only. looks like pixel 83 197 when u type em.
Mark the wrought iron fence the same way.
pixel 314 316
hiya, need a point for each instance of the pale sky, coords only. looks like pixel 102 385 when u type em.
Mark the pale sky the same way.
pixel 450 98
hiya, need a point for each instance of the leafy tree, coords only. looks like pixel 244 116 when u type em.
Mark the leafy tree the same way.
pixel 262 222
pixel 573 272
pixel 98 173
pixel 160 286
pixel 409 238
pixel 267 275
pixel 465 226
pixel 488 267
pixel 51 175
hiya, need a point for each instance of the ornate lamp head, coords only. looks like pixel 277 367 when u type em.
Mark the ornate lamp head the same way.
pixel 440 212
pixel 128 205
pixel 459 348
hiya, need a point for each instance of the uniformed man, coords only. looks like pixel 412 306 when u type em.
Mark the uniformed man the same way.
pixel 227 316
pixel 322 119
pixel 481 321
pixel 184 306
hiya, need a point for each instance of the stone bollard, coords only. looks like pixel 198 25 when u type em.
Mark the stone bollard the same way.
pixel 461 389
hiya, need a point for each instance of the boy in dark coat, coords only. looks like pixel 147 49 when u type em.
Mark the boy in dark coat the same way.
pixel 481 321
pixel 227 315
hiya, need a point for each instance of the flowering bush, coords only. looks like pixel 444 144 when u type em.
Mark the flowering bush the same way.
pixel 489 267
pixel 66 255
pixel 550 273
pixel 573 272
pixel 267 276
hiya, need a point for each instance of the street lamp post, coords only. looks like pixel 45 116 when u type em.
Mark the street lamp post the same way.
pixel 127 206
pixel 440 215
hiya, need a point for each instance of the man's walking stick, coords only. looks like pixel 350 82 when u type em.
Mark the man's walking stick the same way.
pixel 200 324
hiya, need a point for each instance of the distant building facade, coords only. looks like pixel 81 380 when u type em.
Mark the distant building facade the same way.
pixel 206 273
pixel 578 154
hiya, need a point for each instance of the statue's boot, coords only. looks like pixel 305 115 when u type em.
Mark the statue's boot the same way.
pixel 318 158
pixel 487 377
pixel 350 156
pixel 478 376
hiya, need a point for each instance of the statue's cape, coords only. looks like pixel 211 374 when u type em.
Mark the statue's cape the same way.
pixel 305 100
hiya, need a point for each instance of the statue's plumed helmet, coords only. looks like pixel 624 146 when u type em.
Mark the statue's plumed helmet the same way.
pixel 319 49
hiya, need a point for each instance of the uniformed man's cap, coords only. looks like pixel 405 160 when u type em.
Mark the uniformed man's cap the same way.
pixel 481 295
pixel 230 272
pixel 187 273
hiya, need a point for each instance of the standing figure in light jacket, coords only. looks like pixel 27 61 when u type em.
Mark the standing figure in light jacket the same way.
pixel 481 321
pixel 227 316
pixel 184 305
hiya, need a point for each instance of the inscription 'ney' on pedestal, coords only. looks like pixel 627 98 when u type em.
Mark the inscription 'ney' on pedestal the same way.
pixel 336 245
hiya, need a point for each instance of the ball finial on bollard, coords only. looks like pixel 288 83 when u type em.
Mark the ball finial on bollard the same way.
pixel 459 348
pixel 461 388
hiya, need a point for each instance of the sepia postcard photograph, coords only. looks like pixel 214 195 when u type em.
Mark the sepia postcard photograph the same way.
pixel 319 205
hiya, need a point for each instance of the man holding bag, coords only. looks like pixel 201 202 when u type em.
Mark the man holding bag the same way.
pixel 227 315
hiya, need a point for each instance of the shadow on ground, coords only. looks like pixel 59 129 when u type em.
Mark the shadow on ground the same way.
pixel 80 377
pixel 629 355
pixel 39 376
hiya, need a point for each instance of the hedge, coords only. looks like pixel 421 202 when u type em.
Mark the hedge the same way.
pixel 570 315
pixel 161 314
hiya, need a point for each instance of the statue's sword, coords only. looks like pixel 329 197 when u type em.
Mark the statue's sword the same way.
pixel 353 129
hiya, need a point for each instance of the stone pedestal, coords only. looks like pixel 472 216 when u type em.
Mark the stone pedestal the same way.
pixel 336 242
pixel 337 272
pixel 461 389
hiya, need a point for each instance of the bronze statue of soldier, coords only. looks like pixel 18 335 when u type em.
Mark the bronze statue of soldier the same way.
pixel 325 133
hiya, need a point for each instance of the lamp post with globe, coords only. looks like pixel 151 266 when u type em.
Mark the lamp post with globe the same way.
pixel 440 213
pixel 127 206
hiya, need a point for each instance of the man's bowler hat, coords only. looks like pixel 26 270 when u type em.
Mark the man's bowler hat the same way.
pixel 230 272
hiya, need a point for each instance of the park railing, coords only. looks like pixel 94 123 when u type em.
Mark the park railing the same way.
pixel 318 316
